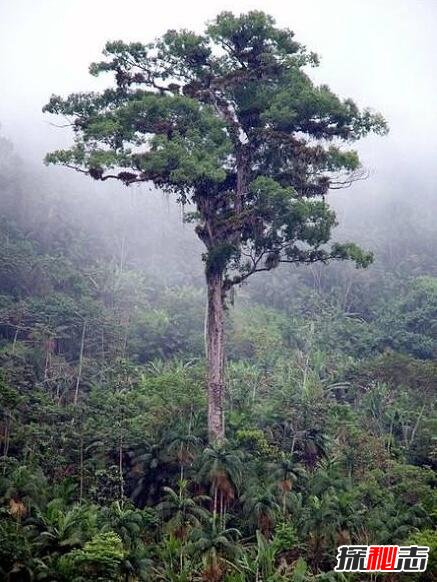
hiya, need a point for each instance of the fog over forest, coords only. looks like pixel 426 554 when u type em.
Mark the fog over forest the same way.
pixel 381 55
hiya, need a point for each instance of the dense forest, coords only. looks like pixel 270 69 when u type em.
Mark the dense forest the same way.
pixel 106 473
pixel 106 469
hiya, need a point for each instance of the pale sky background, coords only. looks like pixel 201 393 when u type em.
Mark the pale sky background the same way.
pixel 382 53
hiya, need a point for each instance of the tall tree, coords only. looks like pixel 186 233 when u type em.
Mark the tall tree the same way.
pixel 230 123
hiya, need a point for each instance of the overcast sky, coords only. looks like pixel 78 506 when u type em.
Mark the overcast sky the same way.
pixel 382 53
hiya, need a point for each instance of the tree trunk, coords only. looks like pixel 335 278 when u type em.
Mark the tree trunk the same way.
pixel 215 357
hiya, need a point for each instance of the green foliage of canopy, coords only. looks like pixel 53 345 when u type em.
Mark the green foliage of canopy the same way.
pixel 230 122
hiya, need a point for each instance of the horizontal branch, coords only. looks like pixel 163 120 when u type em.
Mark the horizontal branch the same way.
pixel 228 283
pixel 125 177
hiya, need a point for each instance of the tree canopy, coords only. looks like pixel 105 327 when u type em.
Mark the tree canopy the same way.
pixel 230 122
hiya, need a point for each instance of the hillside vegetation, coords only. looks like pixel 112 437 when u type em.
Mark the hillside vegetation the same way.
pixel 105 469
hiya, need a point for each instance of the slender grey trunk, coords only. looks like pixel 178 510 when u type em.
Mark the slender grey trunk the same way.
pixel 7 436
pixel 81 468
pixel 120 468
pixel 15 339
pixel 79 372
pixel 215 357
pixel 416 426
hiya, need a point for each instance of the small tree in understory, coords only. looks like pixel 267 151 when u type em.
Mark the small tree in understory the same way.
pixel 230 123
